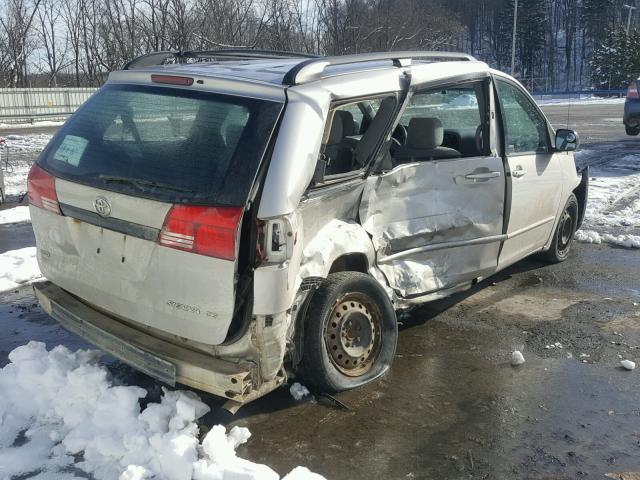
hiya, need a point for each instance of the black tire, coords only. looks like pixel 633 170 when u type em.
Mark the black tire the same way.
pixel 565 230
pixel 633 131
pixel 346 304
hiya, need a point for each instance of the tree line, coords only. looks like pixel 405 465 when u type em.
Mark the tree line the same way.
pixel 560 44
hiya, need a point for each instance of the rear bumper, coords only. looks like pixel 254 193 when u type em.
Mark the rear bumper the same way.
pixel 158 358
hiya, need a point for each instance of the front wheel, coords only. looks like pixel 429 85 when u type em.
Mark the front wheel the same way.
pixel 565 230
pixel 350 333
pixel 633 131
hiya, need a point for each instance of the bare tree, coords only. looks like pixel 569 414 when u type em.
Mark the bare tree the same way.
pixel 16 25
pixel 55 48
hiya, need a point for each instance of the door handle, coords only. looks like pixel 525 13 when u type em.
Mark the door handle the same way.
pixel 482 176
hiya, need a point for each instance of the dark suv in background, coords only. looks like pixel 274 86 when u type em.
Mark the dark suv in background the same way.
pixel 631 116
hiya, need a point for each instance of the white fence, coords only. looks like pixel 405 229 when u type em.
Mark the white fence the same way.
pixel 20 104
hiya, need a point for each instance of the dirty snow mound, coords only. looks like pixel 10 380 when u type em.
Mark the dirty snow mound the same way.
pixel 18 267
pixel 15 215
pixel 58 406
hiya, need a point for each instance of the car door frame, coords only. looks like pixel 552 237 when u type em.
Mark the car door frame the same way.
pixel 491 151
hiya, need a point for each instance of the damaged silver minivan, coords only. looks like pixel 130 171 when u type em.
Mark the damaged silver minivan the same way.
pixel 223 219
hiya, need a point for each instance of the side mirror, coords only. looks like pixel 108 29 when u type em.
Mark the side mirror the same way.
pixel 566 140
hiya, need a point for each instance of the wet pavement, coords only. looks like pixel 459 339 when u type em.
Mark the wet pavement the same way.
pixel 452 406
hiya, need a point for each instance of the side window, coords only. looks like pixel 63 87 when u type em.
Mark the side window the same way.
pixel 525 129
pixel 447 122
pixel 348 124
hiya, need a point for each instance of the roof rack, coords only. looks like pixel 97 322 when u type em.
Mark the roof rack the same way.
pixel 312 68
pixel 160 58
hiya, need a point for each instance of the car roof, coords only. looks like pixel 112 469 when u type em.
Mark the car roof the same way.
pixel 288 71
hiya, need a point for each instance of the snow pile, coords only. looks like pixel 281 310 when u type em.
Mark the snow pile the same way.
pixel 613 207
pixel 18 267
pixel 623 240
pixel 59 410
pixel 15 215
pixel 298 391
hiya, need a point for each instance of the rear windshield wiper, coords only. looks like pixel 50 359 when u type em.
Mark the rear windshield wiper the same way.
pixel 142 184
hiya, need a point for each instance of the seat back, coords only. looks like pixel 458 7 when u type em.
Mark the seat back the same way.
pixel 424 142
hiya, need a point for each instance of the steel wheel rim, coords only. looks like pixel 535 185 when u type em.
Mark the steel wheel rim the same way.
pixel 566 231
pixel 353 334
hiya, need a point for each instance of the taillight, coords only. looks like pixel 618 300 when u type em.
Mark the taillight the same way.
pixel 632 92
pixel 41 189
pixel 210 231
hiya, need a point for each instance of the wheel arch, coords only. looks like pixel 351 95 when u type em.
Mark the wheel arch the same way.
pixel 338 246
pixel 582 193
pixel 350 262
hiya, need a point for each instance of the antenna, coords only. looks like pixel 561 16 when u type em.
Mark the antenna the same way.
pixel 568 111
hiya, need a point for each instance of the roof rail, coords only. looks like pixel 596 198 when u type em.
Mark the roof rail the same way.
pixel 159 58
pixel 312 68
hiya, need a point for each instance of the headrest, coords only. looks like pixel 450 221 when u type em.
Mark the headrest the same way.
pixel 424 133
pixel 348 125
pixel 335 134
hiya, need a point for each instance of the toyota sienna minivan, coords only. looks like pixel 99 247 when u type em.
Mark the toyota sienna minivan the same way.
pixel 225 219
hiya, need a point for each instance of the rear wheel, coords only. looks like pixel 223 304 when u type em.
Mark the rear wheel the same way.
pixel 350 333
pixel 632 130
pixel 563 236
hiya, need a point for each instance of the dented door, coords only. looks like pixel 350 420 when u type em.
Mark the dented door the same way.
pixel 432 226
pixel 438 223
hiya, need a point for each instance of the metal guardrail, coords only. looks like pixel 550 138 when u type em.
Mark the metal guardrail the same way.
pixel 20 104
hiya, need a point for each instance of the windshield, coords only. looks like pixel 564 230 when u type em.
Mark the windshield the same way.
pixel 167 144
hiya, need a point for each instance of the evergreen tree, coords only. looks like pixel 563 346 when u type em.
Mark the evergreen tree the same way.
pixel 616 59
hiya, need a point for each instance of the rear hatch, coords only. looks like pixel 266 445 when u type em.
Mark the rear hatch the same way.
pixel 138 200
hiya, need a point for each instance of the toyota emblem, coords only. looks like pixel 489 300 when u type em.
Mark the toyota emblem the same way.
pixel 102 206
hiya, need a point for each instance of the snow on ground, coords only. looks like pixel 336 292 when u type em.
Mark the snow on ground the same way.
pixel 613 207
pixel 584 100
pixel 15 215
pixel 18 267
pixel 32 142
pixel 43 123
pixel 60 414
pixel 17 157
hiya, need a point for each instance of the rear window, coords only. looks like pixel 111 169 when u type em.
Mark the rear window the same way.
pixel 163 143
